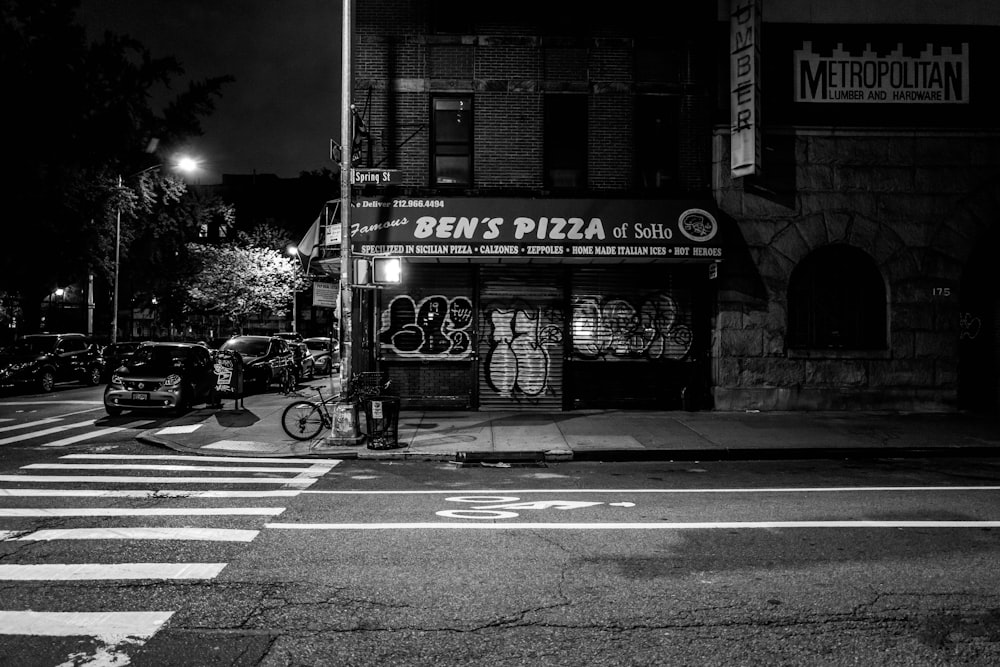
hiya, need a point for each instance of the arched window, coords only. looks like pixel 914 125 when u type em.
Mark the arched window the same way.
pixel 836 300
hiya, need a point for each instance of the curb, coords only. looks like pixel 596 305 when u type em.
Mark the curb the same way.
pixel 606 455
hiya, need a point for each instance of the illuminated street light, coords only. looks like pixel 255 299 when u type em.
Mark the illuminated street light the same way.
pixel 294 252
pixel 183 164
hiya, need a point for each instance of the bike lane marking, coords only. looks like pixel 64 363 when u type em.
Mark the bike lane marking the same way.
pixel 723 525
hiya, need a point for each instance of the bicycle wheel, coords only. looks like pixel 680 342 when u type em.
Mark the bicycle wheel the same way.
pixel 303 420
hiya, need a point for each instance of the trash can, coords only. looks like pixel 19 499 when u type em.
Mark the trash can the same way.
pixel 382 419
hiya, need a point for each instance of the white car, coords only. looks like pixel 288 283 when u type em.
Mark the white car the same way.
pixel 325 352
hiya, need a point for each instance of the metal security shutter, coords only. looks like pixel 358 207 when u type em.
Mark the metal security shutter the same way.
pixel 426 335
pixel 634 336
pixel 521 324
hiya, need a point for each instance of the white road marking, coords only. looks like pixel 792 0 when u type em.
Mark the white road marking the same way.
pixel 137 511
pixel 108 626
pixel 109 571
pixel 37 422
pixel 725 525
pixel 143 493
pixel 148 466
pixel 828 489
pixel 113 479
pixel 139 533
pixel 175 430
pixel 54 402
pixel 6 534
pixel 182 457
pixel 97 434
pixel 114 630
pixel 45 431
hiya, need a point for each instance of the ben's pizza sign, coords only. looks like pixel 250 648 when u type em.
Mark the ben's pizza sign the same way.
pixel 492 227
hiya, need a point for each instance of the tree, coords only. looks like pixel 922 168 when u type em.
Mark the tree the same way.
pixel 232 282
pixel 83 116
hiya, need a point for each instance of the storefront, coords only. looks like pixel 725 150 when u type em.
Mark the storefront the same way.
pixel 543 304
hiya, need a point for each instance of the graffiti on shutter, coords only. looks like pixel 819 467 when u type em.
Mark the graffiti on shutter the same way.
pixel 521 340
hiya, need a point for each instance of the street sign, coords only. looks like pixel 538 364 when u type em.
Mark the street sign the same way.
pixel 376 176
pixel 325 294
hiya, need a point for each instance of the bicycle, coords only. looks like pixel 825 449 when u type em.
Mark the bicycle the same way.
pixel 304 420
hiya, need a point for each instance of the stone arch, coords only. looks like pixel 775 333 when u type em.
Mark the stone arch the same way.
pixel 837 297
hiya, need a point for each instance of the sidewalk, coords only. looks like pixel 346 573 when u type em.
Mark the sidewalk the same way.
pixel 604 435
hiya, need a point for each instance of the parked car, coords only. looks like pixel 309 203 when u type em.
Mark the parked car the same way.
pixel 291 336
pixel 266 359
pixel 41 360
pixel 305 365
pixel 116 354
pixel 161 376
pixel 325 354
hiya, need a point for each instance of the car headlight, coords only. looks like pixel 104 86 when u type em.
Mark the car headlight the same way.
pixel 172 380
pixel 117 380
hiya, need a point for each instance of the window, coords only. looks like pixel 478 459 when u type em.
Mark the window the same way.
pixel 836 300
pixel 656 141
pixel 451 17
pixel 565 141
pixel 451 139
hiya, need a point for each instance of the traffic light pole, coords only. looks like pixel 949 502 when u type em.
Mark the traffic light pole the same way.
pixel 346 153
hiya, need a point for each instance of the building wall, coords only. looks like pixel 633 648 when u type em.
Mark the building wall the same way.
pixel 508 68
pixel 918 202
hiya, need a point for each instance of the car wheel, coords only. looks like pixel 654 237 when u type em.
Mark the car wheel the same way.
pixel 93 376
pixel 47 381
pixel 112 412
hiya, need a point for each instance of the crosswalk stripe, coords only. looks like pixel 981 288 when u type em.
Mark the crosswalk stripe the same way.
pixel 97 434
pixel 138 511
pixel 6 534
pixel 109 571
pixel 145 493
pixel 116 479
pixel 109 626
pixel 189 457
pixel 45 431
pixel 148 466
pixel 137 533
pixel 37 422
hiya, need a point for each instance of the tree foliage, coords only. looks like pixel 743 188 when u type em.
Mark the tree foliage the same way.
pixel 234 282
pixel 82 116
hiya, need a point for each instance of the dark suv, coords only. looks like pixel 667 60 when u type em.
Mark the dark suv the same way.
pixel 266 359
pixel 44 359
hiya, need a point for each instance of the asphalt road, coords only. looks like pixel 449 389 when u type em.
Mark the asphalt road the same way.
pixel 114 552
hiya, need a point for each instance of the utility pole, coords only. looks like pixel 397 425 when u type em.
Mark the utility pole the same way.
pixel 346 153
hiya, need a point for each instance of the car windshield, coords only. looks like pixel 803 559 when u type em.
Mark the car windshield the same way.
pixel 32 346
pixel 320 345
pixel 160 355
pixel 254 347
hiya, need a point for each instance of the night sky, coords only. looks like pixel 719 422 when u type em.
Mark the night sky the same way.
pixel 282 110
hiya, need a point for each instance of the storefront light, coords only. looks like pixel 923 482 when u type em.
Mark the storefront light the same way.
pixel 387 270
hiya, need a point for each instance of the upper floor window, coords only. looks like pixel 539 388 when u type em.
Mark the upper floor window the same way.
pixel 565 143
pixel 451 141
pixel 451 17
pixel 836 300
pixel 656 141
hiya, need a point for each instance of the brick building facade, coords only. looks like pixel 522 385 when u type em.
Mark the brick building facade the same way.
pixel 573 237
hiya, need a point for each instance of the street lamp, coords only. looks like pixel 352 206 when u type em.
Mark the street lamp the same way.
pixel 184 164
pixel 294 252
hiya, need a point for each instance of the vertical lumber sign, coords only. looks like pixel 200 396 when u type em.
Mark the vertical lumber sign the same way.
pixel 744 87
